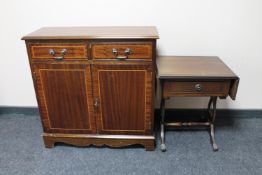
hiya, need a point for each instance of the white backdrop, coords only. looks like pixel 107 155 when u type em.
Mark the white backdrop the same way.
pixel 230 29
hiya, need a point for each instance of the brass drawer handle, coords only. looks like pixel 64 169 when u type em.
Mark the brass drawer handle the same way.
pixel 127 52
pixel 63 53
pixel 198 87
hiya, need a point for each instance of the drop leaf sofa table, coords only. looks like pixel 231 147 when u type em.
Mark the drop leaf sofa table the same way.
pixel 95 85
pixel 185 76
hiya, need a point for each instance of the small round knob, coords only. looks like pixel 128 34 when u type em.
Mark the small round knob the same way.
pixel 51 52
pixel 198 87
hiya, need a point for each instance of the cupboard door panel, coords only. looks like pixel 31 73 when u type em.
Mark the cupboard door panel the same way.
pixel 124 98
pixel 65 97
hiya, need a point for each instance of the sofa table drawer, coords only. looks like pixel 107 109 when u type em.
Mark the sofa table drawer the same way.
pixel 56 51
pixel 196 88
pixel 121 51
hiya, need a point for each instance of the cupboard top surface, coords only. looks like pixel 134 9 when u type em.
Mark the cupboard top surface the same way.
pixel 109 32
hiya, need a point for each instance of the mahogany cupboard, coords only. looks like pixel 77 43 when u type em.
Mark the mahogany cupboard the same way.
pixel 95 85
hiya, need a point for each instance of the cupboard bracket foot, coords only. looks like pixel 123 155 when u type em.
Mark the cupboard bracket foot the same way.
pixel 114 141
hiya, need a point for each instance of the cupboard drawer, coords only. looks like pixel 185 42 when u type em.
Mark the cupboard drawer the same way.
pixel 122 51
pixel 53 51
pixel 196 88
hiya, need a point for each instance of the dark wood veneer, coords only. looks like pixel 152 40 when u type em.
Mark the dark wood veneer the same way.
pixel 88 97
pixel 109 32
pixel 74 51
pixel 194 76
pixel 114 141
pixel 124 93
pixel 138 50
pixel 65 97
pixel 182 88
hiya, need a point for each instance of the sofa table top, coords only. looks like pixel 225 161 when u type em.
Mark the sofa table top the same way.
pixel 193 67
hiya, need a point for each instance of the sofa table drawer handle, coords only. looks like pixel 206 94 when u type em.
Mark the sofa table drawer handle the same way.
pixel 198 87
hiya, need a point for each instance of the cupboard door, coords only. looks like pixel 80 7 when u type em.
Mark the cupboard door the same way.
pixel 65 97
pixel 123 98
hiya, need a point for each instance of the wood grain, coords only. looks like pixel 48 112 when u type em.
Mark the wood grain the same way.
pixel 194 77
pixel 194 67
pixel 187 88
pixel 115 141
pixel 74 51
pixel 109 32
pixel 138 50
pixel 66 90
pixel 65 97
pixel 125 97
